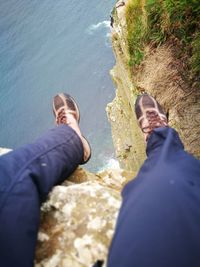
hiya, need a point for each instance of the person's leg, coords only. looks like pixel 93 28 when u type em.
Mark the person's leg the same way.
pixel 158 223
pixel 26 177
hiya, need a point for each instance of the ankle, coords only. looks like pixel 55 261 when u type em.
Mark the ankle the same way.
pixel 72 122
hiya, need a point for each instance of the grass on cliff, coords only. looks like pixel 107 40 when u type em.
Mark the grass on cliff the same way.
pixel 155 21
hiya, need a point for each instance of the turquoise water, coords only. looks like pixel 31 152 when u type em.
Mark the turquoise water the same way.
pixel 48 47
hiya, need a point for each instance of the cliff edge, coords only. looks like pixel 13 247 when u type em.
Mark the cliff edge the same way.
pixel 156 52
pixel 79 217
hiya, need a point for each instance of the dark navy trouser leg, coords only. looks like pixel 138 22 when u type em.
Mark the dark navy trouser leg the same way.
pixel 26 177
pixel 159 220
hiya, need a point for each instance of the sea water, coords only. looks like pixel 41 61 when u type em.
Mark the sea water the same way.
pixel 48 47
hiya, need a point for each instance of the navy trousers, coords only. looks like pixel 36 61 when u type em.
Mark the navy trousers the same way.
pixel 159 220
pixel 26 177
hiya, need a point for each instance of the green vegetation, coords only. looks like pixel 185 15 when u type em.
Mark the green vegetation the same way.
pixel 156 21
pixel 195 60
pixel 136 31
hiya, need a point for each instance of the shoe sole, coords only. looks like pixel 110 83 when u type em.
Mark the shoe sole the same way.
pixel 64 98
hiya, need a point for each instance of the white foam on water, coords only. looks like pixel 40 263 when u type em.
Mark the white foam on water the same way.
pixel 110 164
pixel 100 25
pixel 113 164
pixel 108 42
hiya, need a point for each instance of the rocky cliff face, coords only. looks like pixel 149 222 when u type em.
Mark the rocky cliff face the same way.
pixel 160 74
pixel 127 138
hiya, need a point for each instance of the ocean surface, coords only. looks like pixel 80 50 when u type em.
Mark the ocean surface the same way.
pixel 48 47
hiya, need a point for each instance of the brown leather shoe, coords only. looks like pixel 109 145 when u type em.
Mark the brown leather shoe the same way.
pixel 150 114
pixel 66 111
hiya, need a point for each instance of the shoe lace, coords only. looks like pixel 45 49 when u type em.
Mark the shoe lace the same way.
pixel 155 121
pixel 62 117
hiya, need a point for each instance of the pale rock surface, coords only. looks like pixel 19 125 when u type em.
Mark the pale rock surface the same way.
pixel 78 220
pixel 4 150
